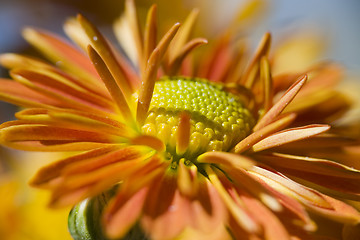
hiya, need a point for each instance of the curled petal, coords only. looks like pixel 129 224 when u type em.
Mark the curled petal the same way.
pixel 273 228
pixel 241 217
pixel 311 199
pixel 338 179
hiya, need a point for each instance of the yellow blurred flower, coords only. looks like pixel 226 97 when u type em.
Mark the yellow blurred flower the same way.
pixel 184 146
pixel 24 213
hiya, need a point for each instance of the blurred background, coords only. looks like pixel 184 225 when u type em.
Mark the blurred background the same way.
pixel 334 24
pixel 337 20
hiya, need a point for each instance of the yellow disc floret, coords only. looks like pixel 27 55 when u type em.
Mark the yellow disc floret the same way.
pixel 218 118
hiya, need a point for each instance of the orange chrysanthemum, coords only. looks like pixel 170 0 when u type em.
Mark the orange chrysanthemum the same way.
pixel 183 146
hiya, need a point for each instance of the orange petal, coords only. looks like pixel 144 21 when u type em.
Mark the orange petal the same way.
pixel 73 30
pixel 281 104
pixel 175 63
pixel 311 165
pixel 11 61
pixel 325 140
pixel 111 84
pixel 273 228
pixel 116 217
pixel 99 180
pixel 292 210
pixel 149 78
pixel 132 20
pixel 55 146
pixel 235 165
pixel 118 221
pixel 75 120
pixel 165 207
pixel 229 159
pixel 209 216
pixel 289 135
pixel 14 61
pixel 49 87
pixel 253 68
pixel 241 217
pixel 265 76
pixel 149 141
pixel 311 199
pixel 215 65
pixel 18 94
pixel 264 132
pixel 34 132
pixel 149 36
pixel 104 50
pixel 63 54
pixel 47 173
pixel 183 133
pixel 62 83
pixel 183 35
pixel 187 179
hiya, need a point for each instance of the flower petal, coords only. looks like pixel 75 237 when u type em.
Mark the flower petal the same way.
pixel 187 179
pixel 90 182
pixel 14 61
pixel 235 165
pixel 111 85
pixel 149 36
pixel 183 34
pixel 273 228
pixel 52 171
pixel 281 104
pixel 36 132
pixel 68 96
pixel 165 206
pixel 62 53
pixel 289 135
pixel 241 217
pixel 116 216
pixel 174 64
pixel 229 159
pixel 104 50
pixel 128 209
pixel 251 72
pixel 264 132
pixel 149 78
pixel 311 199
pixel 16 93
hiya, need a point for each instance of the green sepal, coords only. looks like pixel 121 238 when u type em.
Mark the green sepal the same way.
pixel 84 221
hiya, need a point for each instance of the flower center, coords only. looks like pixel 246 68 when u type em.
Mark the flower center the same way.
pixel 218 118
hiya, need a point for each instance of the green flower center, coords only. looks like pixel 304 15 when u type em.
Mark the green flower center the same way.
pixel 218 118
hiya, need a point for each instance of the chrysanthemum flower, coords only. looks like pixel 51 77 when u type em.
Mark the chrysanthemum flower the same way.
pixel 177 145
